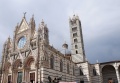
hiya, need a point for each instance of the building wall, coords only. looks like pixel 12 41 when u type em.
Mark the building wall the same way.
pixel 38 57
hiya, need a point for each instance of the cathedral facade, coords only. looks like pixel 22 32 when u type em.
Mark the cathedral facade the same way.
pixel 28 58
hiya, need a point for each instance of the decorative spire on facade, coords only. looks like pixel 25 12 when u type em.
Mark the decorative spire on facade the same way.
pixel 32 25
pixel 43 32
pixel 24 14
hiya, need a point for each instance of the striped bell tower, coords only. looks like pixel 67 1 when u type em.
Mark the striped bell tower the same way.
pixel 77 44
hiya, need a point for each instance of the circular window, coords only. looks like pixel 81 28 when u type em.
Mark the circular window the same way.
pixel 21 42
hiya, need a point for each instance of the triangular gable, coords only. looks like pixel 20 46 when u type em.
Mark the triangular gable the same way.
pixel 23 26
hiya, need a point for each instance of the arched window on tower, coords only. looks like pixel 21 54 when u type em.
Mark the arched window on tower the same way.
pixel 75 41
pixel 68 68
pixel 76 52
pixel 74 29
pixel 52 62
pixel 74 34
pixel 94 72
pixel 61 65
pixel 76 47
pixel 81 71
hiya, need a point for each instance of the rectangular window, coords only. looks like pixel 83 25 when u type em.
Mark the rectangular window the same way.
pixel 9 79
pixel 19 78
pixel 32 77
pixel 74 29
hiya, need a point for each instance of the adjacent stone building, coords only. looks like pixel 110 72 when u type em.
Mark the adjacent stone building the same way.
pixel 29 58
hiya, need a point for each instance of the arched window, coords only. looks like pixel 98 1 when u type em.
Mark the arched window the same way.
pixel 61 65
pixel 94 72
pixel 76 47
pixel 76 52
pixel 74 34
pixel 52 62
pixel 75 41
pixel 67 67
pixel 81 72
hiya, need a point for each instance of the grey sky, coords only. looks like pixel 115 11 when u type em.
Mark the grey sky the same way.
pixel 100 23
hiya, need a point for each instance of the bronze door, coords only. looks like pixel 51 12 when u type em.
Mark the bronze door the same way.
pixel 32 77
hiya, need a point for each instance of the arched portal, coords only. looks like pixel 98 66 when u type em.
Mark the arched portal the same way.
pixel 109 74
pixel 7 72
pixel 17 71
pixel 29 66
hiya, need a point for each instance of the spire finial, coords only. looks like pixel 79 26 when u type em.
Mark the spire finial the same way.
pixel 24 14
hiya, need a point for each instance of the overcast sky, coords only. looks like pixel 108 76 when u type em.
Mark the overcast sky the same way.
pixel 100 23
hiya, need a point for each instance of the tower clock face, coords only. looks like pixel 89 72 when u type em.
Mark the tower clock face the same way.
pixel 21 42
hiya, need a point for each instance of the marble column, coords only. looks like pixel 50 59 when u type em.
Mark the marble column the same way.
pixel 118 76
pixel 23 78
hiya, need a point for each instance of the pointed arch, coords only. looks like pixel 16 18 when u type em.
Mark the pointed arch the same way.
pixel 23 26
pixel 17 63
pixel 28 61
pixel 7 66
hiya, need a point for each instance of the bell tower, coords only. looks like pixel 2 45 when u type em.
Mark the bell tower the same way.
pixel 77 44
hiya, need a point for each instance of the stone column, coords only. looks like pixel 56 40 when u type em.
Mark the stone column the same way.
pixel 27 76
pixel 117 73
pixel 23 78
pixel 15 76
pixel 3 79
pixel 12 76
pixel 36 75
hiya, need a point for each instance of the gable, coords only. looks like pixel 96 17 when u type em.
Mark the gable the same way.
pixel 23 26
